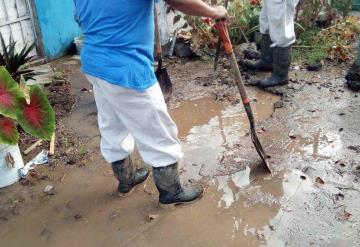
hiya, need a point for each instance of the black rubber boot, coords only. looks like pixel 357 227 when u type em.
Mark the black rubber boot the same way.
pixel 281 65
pixel 127 176
pixel 171 191
pixel 265 63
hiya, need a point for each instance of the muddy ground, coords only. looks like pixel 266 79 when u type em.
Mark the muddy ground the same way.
pixel 310 128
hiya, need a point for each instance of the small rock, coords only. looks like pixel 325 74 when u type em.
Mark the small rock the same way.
pixel 226 66
pixel 303 177
pixel 292 134
pixel 152 217
pixel 228 81
pixel 183 50
pixel 339 196
pixel 205 84
pixel 354 148
pixel 77 216
pixel 279 105
pixel 340 163
pixel 251 54
pixel 71 161
pixel 341 129
pixel 315 66
pixel 49 190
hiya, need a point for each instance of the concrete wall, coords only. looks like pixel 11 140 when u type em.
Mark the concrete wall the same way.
pixel 57 26
pixel 167 28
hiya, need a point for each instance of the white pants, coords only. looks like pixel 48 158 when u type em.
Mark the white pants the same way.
pixel 277 19
pixel 128 117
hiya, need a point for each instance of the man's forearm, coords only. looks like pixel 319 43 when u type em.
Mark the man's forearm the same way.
pixel 193 7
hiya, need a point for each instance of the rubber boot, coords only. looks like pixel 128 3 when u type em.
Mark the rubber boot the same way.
pixel 171 191
pixel 265 63
pixel 281 65
pixel 127 176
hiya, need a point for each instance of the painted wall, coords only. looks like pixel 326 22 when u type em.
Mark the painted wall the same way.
pixel 57 25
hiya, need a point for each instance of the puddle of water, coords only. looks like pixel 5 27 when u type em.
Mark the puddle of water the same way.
pixel 230 186
pixel 318 145
pixel 208 129
pixel 199 112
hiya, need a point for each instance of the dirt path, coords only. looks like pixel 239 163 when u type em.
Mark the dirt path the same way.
pixel 311 200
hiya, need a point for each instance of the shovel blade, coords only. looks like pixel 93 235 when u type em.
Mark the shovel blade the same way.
pixel 164 82
pixel 260 149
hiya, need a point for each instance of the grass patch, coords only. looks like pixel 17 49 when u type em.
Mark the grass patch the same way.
pixel 309 55
pixel 307 49
pixel 82 151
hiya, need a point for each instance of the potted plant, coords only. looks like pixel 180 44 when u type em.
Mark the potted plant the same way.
pixel 25 107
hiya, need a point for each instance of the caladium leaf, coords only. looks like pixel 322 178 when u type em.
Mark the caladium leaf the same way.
pixel 8 131
pixel 37 117
pixel 10 94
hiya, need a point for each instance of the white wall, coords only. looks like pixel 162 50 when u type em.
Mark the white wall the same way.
pixel 167 28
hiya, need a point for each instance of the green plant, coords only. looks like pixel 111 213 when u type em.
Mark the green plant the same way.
pixel 15 62
pixel 343 6
pixel 82 150
pixel 65 141
pixel 309 18
pixel 58 75
pixel 26 106
pixel 309 55
pixel 245 21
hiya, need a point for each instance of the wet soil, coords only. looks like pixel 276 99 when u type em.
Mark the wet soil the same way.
pixel 311 199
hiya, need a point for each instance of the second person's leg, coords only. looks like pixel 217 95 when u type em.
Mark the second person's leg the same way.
pixel 281 27
pixel 265 63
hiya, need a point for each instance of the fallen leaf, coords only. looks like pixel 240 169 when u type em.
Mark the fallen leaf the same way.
pixel 343 215
pixel 319 180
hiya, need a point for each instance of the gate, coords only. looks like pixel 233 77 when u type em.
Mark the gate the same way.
pixel 16 22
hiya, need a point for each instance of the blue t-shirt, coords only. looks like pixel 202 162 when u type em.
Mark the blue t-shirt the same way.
pixel 118 41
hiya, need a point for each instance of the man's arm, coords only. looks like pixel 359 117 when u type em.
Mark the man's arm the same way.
pixel 198 8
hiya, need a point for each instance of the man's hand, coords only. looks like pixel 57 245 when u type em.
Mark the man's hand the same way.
pixel 198 8
pixel 220 13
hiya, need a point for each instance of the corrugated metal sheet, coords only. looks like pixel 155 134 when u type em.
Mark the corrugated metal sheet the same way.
pixel 15 22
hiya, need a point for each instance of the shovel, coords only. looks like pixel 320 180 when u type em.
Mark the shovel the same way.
pixel 161 73
pixel 218 45
pixel 221 27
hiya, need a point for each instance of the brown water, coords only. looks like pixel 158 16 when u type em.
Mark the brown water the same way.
pixel 210 131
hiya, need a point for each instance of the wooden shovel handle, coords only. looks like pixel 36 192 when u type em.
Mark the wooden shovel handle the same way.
pixel 158 50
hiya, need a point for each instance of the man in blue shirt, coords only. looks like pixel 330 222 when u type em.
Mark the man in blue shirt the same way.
pixel 117 58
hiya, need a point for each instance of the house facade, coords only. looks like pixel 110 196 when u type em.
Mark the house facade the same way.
pixel 51 25
pixel 48 23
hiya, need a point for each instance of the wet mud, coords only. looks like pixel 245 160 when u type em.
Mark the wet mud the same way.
pixel 311 199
